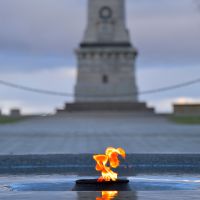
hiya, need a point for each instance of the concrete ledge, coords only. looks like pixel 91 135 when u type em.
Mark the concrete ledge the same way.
pixel 84 164
pixel 110 44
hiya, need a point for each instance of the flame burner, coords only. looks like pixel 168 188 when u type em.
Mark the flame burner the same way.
pixel 94 185
pixel 108 181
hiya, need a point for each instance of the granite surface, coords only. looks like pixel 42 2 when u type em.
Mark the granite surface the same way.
pixel 143 187
pixel 84 164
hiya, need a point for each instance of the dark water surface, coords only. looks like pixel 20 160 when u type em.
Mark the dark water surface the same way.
pixel 66 183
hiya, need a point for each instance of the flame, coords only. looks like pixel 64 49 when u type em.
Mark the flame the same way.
pixel 111 157
pixel 108 195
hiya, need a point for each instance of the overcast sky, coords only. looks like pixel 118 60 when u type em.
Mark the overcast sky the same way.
pixel 38 38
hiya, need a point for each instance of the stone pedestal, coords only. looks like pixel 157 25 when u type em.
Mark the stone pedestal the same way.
pixel 106 74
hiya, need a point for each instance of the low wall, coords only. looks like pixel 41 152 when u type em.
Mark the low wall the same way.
pixel 187 109
pixel 85 165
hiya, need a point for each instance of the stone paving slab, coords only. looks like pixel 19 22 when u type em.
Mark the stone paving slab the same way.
pixel 93 132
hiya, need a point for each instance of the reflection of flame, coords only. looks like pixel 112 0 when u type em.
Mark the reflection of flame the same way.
pixel 111 156
pixel 108 195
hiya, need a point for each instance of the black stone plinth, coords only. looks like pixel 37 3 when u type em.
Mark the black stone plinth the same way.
pixel 94 185
pixel 107 106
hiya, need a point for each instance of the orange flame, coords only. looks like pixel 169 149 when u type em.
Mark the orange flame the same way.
pixel 111 157
pixel 108 195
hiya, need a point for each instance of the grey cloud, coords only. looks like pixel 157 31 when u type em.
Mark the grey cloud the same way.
pixel 163 41
pixel 165 32
pixel 46 26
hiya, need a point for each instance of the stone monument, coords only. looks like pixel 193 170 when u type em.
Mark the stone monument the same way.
pixel 106 56
pixel 106 61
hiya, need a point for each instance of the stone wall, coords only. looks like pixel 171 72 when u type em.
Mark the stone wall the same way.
pixel 187 109
pixel 15 112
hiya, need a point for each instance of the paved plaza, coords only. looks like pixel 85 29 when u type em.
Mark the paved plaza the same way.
pixel 93 132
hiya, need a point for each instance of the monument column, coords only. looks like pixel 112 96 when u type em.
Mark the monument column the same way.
pixel 106 57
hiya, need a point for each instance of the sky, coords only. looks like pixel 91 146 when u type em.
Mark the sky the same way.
pixel 38 40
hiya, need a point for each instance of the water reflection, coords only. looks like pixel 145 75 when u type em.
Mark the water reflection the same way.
pixel 107 195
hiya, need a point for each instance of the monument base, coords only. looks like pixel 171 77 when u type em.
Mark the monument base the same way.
pixel 107 106
pixel 94 185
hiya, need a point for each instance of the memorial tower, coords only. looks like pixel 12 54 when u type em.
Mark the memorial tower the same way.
pixel 106 62
pixel 106 57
